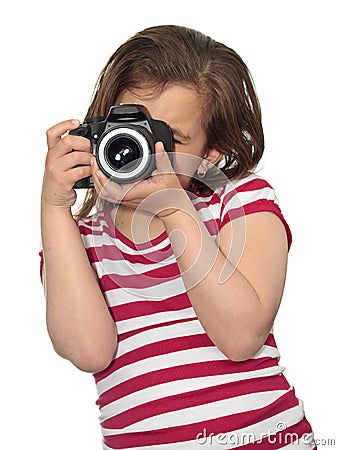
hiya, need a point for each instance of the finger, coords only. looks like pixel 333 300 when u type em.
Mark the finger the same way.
pixel 100 180
pixel 98 175
pixel 78 173
pixel 112 191
pixel 108 189
pixel 76 158
pixel 97 185
pixel 162 159
pixel 105 190
pixel 54 133
pixel 71 176
pixel 70 143
pixel 95 165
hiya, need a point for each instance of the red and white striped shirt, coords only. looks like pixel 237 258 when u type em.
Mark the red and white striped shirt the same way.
pixel 169 386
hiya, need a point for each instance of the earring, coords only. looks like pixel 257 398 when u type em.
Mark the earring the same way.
pixel 203 169
pixel 201 173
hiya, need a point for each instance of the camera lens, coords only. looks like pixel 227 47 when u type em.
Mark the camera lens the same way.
pixel 121 152
pixel 125 153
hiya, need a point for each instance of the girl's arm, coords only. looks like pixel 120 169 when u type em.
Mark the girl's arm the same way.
pixel 78 319
pixel 235 305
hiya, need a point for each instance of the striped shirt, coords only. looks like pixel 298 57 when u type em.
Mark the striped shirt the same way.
pixel 169 386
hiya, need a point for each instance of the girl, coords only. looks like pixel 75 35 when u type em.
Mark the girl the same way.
pixel 167 291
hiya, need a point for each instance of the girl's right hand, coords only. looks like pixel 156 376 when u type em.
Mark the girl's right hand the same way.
pixel 68 160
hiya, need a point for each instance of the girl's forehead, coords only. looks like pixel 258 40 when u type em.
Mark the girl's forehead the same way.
pixel 179 106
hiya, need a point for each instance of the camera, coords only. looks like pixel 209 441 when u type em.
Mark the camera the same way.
pixel 123 143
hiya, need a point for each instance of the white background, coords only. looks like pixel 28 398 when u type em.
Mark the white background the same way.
pixel 51 55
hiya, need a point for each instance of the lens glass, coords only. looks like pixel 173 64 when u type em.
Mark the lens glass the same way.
pixel 123 153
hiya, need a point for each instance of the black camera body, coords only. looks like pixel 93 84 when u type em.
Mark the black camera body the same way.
pixel 123 143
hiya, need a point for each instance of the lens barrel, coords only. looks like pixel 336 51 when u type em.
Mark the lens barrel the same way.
pixel 122 153
pixel 126 153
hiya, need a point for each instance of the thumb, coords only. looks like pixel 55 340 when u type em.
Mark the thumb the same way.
pixel 162 159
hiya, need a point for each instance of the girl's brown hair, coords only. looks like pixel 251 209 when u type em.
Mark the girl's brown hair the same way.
pixel 167 54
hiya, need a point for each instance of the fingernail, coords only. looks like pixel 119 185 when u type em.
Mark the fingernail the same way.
pixel 161 144
pixel 76 121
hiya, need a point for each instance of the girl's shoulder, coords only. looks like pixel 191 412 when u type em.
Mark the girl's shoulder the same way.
pixel 240 191
pixel 253 183
pixel 240 197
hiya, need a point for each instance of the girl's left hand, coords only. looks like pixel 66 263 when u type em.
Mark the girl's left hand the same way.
pixel 157 194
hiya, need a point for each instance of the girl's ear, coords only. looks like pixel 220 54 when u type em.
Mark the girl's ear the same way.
pixel 212 156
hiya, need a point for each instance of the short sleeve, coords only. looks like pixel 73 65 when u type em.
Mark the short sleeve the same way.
pixel 250 195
